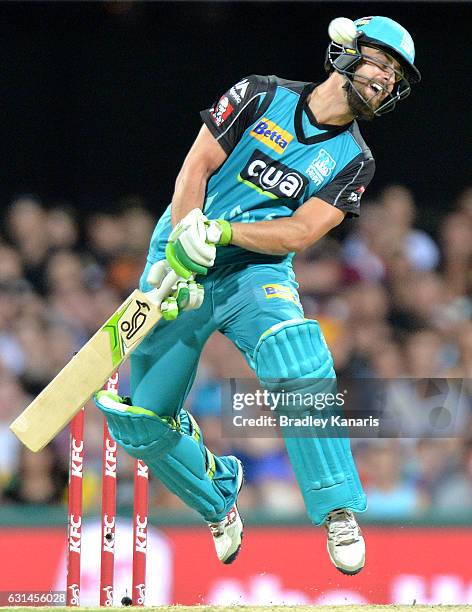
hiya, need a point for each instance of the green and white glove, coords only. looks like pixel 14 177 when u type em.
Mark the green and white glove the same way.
pixel 219 232
pixel 187 250
pixel 184 294
pixel 191 248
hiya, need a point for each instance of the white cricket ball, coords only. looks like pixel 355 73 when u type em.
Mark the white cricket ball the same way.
pixel 342 30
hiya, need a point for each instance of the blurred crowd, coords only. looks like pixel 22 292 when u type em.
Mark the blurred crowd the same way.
pixel 392 293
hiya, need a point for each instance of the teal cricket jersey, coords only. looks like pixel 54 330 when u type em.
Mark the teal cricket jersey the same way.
pixel 279 157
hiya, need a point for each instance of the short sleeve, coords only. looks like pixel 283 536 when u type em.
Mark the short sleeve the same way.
pixel 233 112
pixel 346 189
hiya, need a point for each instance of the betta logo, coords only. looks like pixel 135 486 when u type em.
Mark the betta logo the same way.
pixel 272 178
pixel 273 136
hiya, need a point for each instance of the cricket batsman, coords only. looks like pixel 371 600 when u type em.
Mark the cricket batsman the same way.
pixel 276 165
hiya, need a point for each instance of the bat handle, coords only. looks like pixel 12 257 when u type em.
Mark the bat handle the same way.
pixel 165 290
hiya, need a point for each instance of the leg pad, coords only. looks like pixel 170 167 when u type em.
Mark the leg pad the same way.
pixel 293 356
pixel 175 453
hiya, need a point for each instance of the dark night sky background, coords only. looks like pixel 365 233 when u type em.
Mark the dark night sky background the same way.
pixel 98 101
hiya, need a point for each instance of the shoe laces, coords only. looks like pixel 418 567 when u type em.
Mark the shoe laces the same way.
pixel 218 529
pixel 342 527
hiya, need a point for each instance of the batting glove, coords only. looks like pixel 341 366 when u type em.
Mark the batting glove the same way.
pixel 219 232
pixel 188 252
pixel 185 294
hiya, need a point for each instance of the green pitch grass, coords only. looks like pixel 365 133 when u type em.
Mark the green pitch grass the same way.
pixel 356 608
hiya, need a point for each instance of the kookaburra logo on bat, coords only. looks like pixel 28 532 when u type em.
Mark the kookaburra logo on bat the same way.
pixel 137 320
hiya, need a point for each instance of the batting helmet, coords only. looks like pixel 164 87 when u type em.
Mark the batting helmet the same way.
pixel 388 36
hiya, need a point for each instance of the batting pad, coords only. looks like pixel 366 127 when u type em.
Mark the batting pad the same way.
pixel 293 357
pixel 175 453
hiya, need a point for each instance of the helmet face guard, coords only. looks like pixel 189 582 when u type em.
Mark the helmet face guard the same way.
pixel 389 37
pixel 345 61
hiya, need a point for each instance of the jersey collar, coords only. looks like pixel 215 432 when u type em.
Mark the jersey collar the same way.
pixel 329 131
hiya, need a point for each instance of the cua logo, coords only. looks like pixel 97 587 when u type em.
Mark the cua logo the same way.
pixel 270 134
pixel 272 178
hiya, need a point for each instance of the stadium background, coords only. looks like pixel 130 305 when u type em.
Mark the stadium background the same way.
pixel 100 104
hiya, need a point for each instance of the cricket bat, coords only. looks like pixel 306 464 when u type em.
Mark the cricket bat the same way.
pixel 89 369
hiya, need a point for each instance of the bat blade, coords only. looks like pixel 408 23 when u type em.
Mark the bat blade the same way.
pixel 86 372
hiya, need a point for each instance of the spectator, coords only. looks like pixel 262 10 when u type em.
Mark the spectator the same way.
pixel 361 249
pixel 454 494
pixel 61 227
pixel 41 478
pixel 26 226
pixel 13 399
pixel 391 495
pixel 434 462
pixel 457 248
pixel 419 248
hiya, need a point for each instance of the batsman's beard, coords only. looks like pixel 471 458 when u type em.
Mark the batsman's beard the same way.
pixel 358 106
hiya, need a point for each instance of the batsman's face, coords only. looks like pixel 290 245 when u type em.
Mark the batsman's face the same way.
pixel 376 75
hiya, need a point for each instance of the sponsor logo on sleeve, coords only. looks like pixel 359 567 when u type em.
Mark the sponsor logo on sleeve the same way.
pixel 221 111
pixel 275 290
pixel 238 92
pixel 272 178
pixel 321 167
pixel 270 134
pixel 355 196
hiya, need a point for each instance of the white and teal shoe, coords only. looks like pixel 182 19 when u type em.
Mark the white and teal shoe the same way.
pixel 228 533
pixel 346 546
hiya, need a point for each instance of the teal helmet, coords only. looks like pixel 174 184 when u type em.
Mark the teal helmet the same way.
pixel 388 36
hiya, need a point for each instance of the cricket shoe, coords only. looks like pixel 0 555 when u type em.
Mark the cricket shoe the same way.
pixel 346 546
pixel 228 533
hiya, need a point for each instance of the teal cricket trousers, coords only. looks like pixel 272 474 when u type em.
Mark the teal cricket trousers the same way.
pixel 257 307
